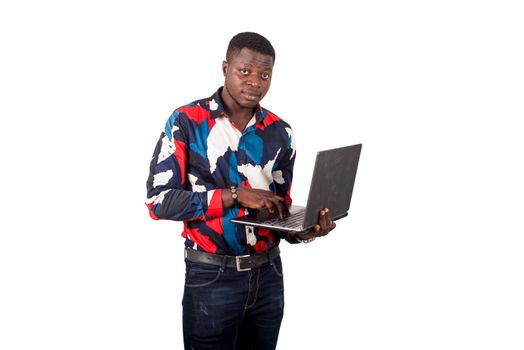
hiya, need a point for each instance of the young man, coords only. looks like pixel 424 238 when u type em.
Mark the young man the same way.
pixel 217 158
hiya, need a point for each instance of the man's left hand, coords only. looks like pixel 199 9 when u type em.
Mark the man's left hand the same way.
pixel 322 228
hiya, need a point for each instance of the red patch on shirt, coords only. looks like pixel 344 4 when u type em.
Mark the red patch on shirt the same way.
pixel 288 195
pixel 215 208
pixel 264 232
pixel 260 246
pixel 180 155
pixel 151 214
pixel 216 225
pixel 270 119
pixel 195 113
pixel 203 241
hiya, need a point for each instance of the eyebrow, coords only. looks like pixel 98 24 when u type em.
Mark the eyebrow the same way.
pixel 250 65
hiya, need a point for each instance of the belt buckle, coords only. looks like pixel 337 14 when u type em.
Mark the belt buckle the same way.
pixel 237 258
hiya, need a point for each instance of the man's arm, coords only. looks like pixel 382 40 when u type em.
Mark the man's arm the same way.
pixel 169 196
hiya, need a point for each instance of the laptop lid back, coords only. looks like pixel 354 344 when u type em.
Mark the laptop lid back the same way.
pixel 332 183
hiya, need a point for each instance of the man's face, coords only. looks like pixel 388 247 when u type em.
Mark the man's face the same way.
pixel 247 77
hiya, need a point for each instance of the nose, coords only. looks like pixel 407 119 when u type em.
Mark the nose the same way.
pixel 254 81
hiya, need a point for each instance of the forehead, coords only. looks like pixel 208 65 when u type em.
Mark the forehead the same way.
pixel 252 58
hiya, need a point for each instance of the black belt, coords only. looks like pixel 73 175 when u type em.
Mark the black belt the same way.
pixel 241 263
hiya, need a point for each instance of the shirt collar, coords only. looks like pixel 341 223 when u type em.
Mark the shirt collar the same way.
pixel 216 107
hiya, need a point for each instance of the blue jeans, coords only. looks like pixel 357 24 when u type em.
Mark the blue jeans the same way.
pixel 227 309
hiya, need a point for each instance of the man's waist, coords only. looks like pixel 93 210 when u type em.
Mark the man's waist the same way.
pixel 241 262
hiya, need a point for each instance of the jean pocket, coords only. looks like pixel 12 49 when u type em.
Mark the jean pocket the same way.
pixel 201 275
pixel 277 267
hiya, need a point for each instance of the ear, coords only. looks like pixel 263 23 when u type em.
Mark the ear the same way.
pixel 224 67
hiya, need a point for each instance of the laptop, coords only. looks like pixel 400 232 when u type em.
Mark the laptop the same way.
pixel 331 187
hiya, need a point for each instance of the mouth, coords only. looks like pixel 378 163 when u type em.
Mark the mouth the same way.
pixel 251 95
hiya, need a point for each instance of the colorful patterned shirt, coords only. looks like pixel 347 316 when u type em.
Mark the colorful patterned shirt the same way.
pixel 201 152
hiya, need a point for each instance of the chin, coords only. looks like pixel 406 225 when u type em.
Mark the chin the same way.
pixel 250 104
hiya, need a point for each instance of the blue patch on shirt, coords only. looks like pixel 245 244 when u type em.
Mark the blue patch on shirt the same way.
pixel 169 125
pixel 201 134
pixel 230 231
pixel 253 146
pixel 234 177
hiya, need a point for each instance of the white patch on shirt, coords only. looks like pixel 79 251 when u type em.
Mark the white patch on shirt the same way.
pixel 158 198
pixel 251 239
pixel 213 105
pixel 278 178
pixel 209 197
pixel 193 180
pixel 223 136
pixel 167 149
pixel 293 144
pixel 252 121
pixel 162 178
pixel 259 177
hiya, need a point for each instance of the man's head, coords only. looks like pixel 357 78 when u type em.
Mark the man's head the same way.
pixel 252 41
pixel 247 69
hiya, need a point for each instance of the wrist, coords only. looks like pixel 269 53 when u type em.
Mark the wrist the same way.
pixel 304 239
pixel 234 194
pixel 228 199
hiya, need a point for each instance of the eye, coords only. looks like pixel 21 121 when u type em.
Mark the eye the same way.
pixel 266 76
pixel 244 71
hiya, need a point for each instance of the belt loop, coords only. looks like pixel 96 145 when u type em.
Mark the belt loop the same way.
pixel 269 257
pixel 224 263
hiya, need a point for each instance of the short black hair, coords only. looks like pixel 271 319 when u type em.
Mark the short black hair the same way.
pixel 252 41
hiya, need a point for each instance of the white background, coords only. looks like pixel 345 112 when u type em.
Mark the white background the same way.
pixel 431 256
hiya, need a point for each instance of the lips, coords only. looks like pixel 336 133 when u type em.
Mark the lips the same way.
pixel 251 95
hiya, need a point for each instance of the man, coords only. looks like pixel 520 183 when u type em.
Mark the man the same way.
pixel 216 159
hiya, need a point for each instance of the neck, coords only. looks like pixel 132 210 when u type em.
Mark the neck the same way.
pixel 239 114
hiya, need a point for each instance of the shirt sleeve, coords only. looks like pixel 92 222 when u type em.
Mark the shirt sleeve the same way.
pixel 169 195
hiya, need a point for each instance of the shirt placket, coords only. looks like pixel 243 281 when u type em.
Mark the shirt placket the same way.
pixel 251 236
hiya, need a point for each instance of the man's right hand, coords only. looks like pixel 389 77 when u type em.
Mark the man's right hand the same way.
pixel 252 198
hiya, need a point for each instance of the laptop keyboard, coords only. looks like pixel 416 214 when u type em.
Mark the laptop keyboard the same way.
pixel 294 220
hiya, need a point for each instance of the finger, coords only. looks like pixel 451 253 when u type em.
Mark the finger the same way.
pixel 282 209
pixel 264 193
pixel 329 228
pixel 259 203
pixel 322 219
pixel 269 194
pixel 279 204
pixel 253 204
pixel 328 218
pixel 328 221
pixel 271 201
pixel 269 205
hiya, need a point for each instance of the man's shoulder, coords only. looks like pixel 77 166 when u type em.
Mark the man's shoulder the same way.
pixel 197 110
pixel 200 104
pixel 202 108
pixel 271 118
